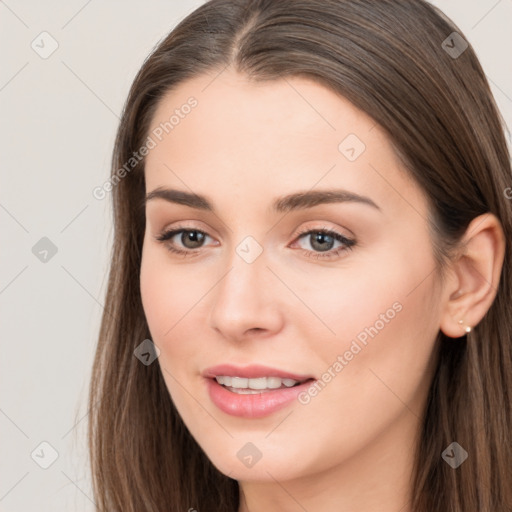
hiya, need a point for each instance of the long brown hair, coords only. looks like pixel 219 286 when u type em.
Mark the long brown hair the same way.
pixel 391 60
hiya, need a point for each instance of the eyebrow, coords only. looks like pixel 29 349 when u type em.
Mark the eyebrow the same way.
pixel 296 201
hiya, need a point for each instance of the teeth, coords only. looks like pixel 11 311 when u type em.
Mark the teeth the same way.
pixel 239 382
pixel 256 384
pixel 274 382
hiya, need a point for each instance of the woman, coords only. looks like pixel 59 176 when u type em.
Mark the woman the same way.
pixel 309 296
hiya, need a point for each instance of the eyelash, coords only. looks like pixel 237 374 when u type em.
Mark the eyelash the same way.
pixel 348 244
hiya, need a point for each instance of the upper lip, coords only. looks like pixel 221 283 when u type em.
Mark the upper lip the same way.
pixel 251 372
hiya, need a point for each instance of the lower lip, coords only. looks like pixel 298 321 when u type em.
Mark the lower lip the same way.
pixel 253 405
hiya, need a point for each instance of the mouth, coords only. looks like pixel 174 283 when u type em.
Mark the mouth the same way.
pixel 253 386
pixel 253 391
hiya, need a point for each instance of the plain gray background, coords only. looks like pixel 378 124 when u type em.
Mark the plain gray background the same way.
pixel 58 120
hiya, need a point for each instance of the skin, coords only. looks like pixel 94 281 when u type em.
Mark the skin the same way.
pixel 243 145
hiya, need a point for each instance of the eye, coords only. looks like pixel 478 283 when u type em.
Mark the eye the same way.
pixel 323 243
pixel 190 239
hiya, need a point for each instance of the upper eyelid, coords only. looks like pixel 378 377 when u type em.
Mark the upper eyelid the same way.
pixel 301 233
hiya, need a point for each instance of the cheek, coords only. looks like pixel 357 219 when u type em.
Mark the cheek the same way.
pixel 173 302
pixel 175 305
pixel 168 294
pixel 386 321
pixel 383 316
pixel 376 369
pixel 365 295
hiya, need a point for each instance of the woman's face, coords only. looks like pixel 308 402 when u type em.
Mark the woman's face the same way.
pixel 258 293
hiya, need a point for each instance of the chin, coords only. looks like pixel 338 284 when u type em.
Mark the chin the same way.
pixel 265 465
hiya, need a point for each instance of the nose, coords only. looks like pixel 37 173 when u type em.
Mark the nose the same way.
pixel 245 302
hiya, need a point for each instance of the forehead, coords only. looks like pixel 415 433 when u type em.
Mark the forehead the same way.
pixel 232 110
pixel 281 134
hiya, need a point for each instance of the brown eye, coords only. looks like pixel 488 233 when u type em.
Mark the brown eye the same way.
pixel 189 240
pixel 194 238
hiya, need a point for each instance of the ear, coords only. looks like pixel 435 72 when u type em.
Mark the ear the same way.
pixel 475 276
